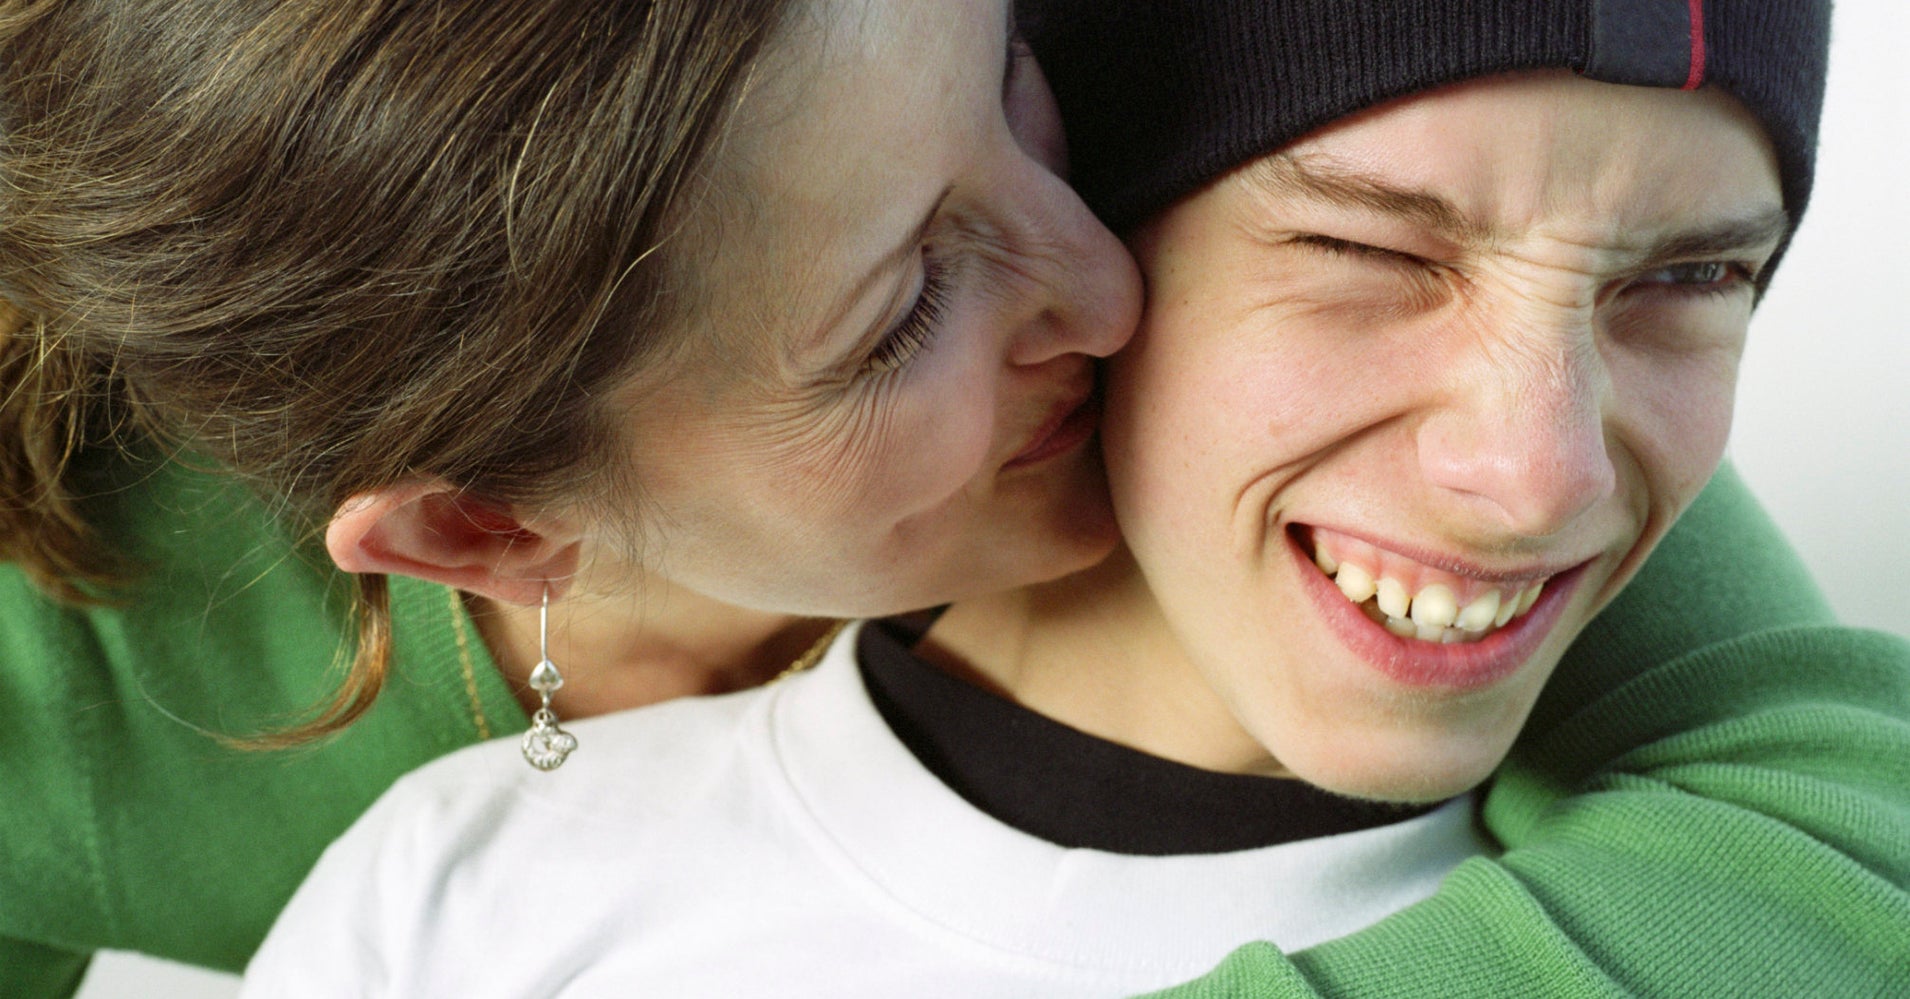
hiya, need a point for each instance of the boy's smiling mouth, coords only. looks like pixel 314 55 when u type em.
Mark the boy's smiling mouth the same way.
pixel 1412 600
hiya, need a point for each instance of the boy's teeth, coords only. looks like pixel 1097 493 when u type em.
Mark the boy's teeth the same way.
pixel 1355 583
pixel 1435 607
pixel 1482 613
pixel 1433 614
pixel 1393 601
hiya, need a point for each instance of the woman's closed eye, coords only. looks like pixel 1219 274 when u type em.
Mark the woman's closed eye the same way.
pixel 917 327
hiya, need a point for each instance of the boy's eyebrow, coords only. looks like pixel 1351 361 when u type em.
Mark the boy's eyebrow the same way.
pixel 1739 235
pixel 1281 175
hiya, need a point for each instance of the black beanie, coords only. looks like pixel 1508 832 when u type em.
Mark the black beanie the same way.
pixel 1162 96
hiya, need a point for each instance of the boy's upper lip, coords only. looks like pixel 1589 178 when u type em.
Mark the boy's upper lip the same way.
pixel 1499 572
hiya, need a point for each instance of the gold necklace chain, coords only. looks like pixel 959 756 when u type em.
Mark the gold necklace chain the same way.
pixel 813 654
pixel 469 668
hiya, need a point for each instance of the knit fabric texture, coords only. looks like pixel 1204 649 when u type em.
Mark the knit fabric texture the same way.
pixel 125 821
pixel 1161 96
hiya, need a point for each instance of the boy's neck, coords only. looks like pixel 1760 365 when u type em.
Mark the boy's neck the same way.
pixel 1093 652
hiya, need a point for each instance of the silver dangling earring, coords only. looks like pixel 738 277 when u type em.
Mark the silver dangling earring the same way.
pixel 546 744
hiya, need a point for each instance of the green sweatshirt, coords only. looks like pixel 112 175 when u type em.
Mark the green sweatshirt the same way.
pixel 124 822
pixel 1711 731
pixel 1712 798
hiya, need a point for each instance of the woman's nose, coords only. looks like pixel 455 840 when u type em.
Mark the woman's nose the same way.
pixel 1082 287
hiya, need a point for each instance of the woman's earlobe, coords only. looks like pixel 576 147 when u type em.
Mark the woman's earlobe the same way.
pixel 430 530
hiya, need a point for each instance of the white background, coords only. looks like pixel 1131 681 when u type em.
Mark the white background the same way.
pixel 1823 405
pixel 1823 426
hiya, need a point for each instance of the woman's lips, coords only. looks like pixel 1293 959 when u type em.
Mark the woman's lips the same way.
pixel 1065 430
pixel 1458 667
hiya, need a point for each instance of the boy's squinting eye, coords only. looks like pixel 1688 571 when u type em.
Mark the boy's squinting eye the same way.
pixel 1706 276
pixel 1336 246
pixel 1019 54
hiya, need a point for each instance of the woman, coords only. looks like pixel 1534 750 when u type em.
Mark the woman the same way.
pixel 477 245
pixel 1280 450
pixel 577 300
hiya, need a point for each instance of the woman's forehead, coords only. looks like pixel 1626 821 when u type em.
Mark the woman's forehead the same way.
pixel 858 124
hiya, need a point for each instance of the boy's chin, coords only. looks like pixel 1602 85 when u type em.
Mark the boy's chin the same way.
pixel 1405 776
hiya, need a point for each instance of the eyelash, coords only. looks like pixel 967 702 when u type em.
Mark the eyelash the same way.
pixel 918 327
pixel 1737 274
pixel 1347 248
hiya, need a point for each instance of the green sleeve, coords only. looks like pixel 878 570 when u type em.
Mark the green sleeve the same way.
pixel 29 969
pixel 49 849
pixel 1712 798
pixel 126 821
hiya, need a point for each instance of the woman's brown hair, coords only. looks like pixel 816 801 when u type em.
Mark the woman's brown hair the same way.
pixel 331 244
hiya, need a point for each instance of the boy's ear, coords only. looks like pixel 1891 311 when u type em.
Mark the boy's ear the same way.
pixel 429 530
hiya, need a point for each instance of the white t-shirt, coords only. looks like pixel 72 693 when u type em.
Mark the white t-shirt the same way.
pixel 783 842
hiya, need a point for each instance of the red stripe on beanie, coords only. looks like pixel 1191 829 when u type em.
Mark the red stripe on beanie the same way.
pixel 1697 46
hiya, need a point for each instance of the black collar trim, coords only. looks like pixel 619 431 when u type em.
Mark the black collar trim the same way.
pixel 1076 790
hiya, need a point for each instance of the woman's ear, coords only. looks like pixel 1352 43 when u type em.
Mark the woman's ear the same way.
pixel 429 530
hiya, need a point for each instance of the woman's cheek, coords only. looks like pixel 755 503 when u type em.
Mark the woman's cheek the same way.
pixel 929 433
